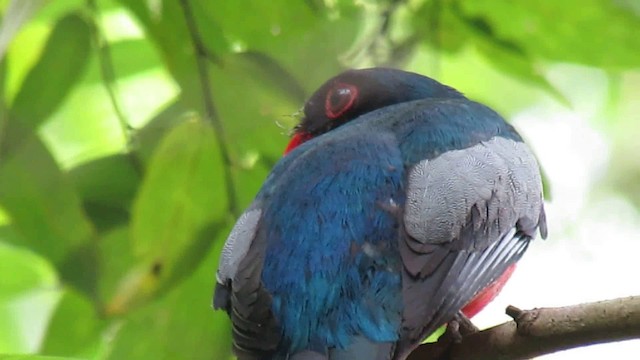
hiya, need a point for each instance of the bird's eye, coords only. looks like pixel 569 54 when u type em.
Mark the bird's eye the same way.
pixel 340 99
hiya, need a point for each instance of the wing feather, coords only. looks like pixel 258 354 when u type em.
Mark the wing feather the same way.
pixel 463 228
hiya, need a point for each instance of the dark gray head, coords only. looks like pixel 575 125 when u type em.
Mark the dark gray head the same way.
pixel 356 92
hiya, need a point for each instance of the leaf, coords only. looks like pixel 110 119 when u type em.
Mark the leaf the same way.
pixel 181 195
pixel 591 32
pixel 181 325
pixel 116 259
pixel 75 328
pixel 34 357
pixel 298 37
pixel 63 60
pixel 15 16
pixel 41 202
pixel 273 74
pixel 111 180
pixel 26 296
pixel 130 57
pixel 166 27
pixel 435 335
pixel 508 56
pixel 107 187
pixel 28 271
pixel 184 180
pixel 4 118
pixel 146 140
pixel 54 10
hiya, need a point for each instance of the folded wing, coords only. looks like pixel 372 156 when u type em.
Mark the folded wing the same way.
pixel 469 215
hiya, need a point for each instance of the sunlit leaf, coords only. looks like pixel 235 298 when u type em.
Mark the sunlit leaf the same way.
pixel 28 271
pixel 60 66
pixel 27 294
pixel 17 14
pixel 129 57
pixel 164 23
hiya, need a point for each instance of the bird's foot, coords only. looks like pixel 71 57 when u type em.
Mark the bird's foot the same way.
pixel 459 327
pixel 465 324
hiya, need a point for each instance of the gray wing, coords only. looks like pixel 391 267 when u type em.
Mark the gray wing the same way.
pixel 239 290
pixel 469 215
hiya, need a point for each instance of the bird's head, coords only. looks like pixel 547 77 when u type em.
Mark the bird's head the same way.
pixel 356 92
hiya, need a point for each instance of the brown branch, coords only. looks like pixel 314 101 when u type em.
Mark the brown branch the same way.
pixel 543 331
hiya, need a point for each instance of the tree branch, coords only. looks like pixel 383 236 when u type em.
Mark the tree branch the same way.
pixel 202 56
pixel 543 331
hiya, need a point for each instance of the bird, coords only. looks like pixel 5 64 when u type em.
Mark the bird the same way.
pixel 397 203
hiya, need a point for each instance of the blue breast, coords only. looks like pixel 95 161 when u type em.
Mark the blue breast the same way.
pixel 332 264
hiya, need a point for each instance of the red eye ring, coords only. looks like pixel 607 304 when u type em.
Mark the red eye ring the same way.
pixel 340 99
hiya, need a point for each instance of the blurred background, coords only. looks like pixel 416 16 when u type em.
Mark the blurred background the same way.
pixel 126 155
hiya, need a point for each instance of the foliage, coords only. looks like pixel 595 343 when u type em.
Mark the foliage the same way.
pixel 120 175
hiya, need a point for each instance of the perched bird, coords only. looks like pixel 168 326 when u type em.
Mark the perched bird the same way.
pixel 399 201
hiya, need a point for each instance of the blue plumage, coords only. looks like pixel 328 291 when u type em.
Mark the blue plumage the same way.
pixel 315 262
pixel 329 262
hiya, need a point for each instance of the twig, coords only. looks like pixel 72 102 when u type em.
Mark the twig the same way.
pixel 202 56
pixel 107 72
pixel 544 331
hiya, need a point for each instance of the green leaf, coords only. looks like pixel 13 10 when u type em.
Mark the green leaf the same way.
pixel 16 15
pixel 435 335
pixel 53 10
pixel 181 325
pixel 508 56
pixel 27 296
pixel 115 261
pixel 299 37
pixel 182 195
pixel 184 181
pixel 146 140
pixel 28 271
pixel 56 72
pixel 107 187
pixel 272 74
pixel 75 328
pixel 111 180
pixel 41 202
pixel 4 116
pixel 166 27
pixel 130 57
pixel 592 32
pixel 34 357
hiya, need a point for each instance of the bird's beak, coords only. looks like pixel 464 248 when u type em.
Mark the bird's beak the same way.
pixel 297 139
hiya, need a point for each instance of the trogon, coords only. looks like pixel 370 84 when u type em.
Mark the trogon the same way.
pixel 398 204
